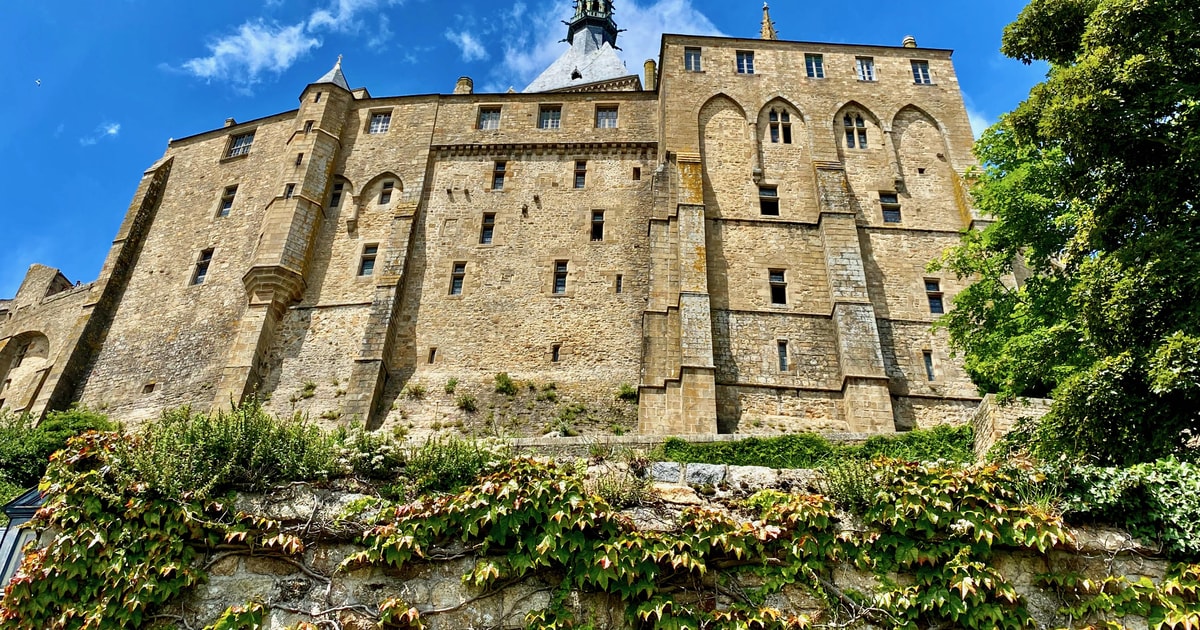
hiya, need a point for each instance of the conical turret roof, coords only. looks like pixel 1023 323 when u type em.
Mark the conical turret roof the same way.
pixel 335 76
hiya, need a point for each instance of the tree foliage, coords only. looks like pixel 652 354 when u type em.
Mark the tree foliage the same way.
pixel 1093 184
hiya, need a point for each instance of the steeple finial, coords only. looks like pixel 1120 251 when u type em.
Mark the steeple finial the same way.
pixel 338 65
pixel 768 27
pixel 335 76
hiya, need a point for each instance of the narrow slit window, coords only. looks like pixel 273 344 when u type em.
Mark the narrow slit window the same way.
pixel 308 126
pixel 488 228
pixel 618 285
pixel 597 225
pixel 202 264
pixel 778 286
pixel 580 173
pixel 890 204
pixel 782 348
pixel 768 201
pixel 927 356
pixel 432 355
pixel 227 200
pixel 933 293
pixel 336 198
pixel 555 352
pixel 560 277
pixel 299 159
pixel 317 98
pixel 498 171
pixel 458 275
pixel 366 264
pixel 637 173
pixel 385 195
pixel 289 191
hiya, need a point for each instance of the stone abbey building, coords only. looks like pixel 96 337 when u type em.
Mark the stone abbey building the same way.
pixel 741 233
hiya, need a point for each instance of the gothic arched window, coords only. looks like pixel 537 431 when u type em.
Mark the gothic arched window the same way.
pixel 855 127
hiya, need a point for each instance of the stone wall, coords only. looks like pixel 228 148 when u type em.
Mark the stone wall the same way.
pixel 311 586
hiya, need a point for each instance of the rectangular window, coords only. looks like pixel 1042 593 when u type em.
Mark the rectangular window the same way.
pixel 768 201
pixel 498 175
pixel 385 195
pixel 891 207
pixel 488 228
pixel 289 191
pixel 781 346
pixel 489 118
pixel 560 277
pixel 618 286
pixel 855 127
pixel 921 73
pixel 202 264
pixel 308 125
pixel 606 116
pixel 865 67
pixel 691 59
pixel 597 225
pixel 240 145
pixel 779 121
pixel 778 286
pixel 637 173
pixel 550 117
pixel 317 98
pixel 380 122
pixel 336 197
pixel 933 293
pixel 366 266
pixel 928 357
pixel 815 66
pixel 227 201
pixel 457 275
pixel 432 354
pixel 580 173
pixel 555 352
pixel 745 62
pixel 299 159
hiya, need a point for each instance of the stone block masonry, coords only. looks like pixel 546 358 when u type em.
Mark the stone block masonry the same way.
pixel 726 243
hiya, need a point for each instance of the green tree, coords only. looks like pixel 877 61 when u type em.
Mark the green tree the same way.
pixel 1092 182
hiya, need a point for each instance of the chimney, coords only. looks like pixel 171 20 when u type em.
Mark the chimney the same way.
pixel 909 41
pixel 229 122
pixel 464 86
pixel 651 75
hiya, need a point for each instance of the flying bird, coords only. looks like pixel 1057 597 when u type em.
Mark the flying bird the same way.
pixel 39 82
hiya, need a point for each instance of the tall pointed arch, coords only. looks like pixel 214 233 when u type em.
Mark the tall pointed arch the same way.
pixel 727 152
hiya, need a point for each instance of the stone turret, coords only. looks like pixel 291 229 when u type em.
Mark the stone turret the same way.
pixel 768 27
pixel 592 57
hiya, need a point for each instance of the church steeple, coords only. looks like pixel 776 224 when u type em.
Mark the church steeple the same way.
pixel 335 76
pixel 768 27
pixel 594 16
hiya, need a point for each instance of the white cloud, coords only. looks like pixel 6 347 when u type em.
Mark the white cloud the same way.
pixel 255 48
pixel 979 122
pixel 471 49
pixel 258 46
pixel 105 130
pixel 534 36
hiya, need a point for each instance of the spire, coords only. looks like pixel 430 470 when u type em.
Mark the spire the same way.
pixel 594 16
pixel 768 27
pixel 335 76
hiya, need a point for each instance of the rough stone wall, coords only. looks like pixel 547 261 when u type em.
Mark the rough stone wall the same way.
pixel 302 587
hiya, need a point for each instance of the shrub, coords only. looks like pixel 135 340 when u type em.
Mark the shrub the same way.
pixel 627 392
pixel 466 402
pixel 443 465
pixel 371 454
pixel 451 385
pixel 188 452
pixel 413 391
pixel 849 484
pixel 620 488
pixel 25 446
pixel 505 385
pixel 309 390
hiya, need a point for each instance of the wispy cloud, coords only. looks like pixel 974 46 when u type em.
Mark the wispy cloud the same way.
pixel 471 49
pixel 103 131
pixel 979 120
pixel 258 46
pixel 534 36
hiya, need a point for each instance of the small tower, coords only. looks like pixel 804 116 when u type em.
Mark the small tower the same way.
pixel 768 27
pixel 594 17
pixel 592 58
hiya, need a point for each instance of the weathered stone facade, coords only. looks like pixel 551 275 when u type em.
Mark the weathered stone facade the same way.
pixel 746 244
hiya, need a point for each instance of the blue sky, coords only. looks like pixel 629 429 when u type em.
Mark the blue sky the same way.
pixel 119 78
